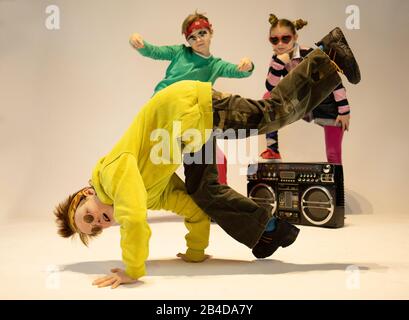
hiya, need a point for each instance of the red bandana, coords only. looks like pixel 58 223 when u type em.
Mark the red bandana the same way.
pixel 196 25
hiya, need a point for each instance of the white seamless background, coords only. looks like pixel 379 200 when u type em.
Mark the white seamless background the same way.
pixel 67 95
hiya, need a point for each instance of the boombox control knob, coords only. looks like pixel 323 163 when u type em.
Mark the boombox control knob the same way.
pixel 327 168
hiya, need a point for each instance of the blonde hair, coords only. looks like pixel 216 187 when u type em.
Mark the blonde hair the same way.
pixel 293 25
pixel 65 230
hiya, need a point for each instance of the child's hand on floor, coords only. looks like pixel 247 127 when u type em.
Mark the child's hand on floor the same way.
pixel 186 259
pixel 118 277
pixel 136 41
pixel 245 64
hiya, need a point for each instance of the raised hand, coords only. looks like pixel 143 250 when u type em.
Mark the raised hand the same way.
pixel 136 41
pixel 245 64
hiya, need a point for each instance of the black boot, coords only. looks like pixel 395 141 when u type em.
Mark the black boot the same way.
pixel 337 48
pixel 282 236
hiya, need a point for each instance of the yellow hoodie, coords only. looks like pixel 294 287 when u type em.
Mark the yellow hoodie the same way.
pixel 128 179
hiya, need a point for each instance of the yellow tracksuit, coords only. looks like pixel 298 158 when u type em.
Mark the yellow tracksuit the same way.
pixel 129 180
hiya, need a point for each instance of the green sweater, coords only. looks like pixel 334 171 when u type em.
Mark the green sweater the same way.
pixel 128 179
pixel 188 65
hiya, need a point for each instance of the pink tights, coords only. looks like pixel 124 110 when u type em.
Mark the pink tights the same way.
pixel 333 143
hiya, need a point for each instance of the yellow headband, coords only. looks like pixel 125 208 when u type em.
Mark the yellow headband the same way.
pixel 73 207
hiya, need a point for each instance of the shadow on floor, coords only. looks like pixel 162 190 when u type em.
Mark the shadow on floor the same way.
pixel 356 203
pixel 177 267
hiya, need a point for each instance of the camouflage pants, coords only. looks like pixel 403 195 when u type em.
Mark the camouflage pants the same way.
pixel 297 94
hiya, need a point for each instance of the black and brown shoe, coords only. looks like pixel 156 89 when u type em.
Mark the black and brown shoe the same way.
pixel 337 48
pixel 282 236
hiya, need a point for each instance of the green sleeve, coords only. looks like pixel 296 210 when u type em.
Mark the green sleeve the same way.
pixel 229 70
pixel 123 183
pixel 176 199
pixel 159 52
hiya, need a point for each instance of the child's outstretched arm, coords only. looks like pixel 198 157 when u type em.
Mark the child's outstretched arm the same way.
pixel 230 70
pixel 245 65
pixel 151 51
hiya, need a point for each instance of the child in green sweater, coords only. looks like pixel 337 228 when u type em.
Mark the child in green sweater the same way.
pixel 194 62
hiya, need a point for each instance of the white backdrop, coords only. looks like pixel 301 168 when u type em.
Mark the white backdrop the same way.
pixel 67 95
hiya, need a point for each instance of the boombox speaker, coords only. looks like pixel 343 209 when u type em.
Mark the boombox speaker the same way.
pixel 309 194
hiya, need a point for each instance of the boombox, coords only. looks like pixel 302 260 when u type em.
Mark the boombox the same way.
pixel 302 193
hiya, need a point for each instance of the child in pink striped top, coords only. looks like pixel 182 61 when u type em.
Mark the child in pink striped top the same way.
pixel 333 113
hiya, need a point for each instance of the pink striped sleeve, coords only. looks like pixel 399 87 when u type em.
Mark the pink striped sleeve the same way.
pixel 343 109
pixel 340 94
pixel 277 66
pixel 273 79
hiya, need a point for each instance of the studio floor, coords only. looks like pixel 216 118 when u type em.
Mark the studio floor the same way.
pixel 367 259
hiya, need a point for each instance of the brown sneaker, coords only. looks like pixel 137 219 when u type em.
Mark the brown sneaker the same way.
pixel 337 48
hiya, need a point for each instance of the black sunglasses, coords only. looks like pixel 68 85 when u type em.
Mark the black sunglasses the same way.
pixel 284 39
